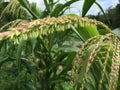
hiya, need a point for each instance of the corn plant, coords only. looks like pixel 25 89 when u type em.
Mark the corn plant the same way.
pixel 39 51
pixel 44 54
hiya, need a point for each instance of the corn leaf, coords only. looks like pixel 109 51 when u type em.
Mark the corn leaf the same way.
pixel 87 5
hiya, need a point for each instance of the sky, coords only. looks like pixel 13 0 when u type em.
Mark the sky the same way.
pixel 77 7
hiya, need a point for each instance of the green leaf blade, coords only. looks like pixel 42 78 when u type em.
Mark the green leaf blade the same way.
pixel 86 6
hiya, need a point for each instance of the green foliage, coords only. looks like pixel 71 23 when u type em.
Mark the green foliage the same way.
pixel 86 6
pixel 44 54
pixel 45 48
pixel 2 6
pixel 54 8
pixel 32 10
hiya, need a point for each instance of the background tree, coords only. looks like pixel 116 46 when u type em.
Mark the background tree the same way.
pixel 113 15
pixel 116 17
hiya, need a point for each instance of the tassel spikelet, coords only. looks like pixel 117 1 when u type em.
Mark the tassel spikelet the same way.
pixel 114 74
pixel 94 52
pixel 40 27
pixel 104 66
pixel 88 55
pixel 13 24
pixel 79 63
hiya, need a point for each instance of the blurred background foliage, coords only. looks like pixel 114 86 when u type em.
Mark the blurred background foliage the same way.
pixel 113 15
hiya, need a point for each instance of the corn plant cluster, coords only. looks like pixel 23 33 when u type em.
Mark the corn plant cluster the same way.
pixel 101 54
pixel 37 44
